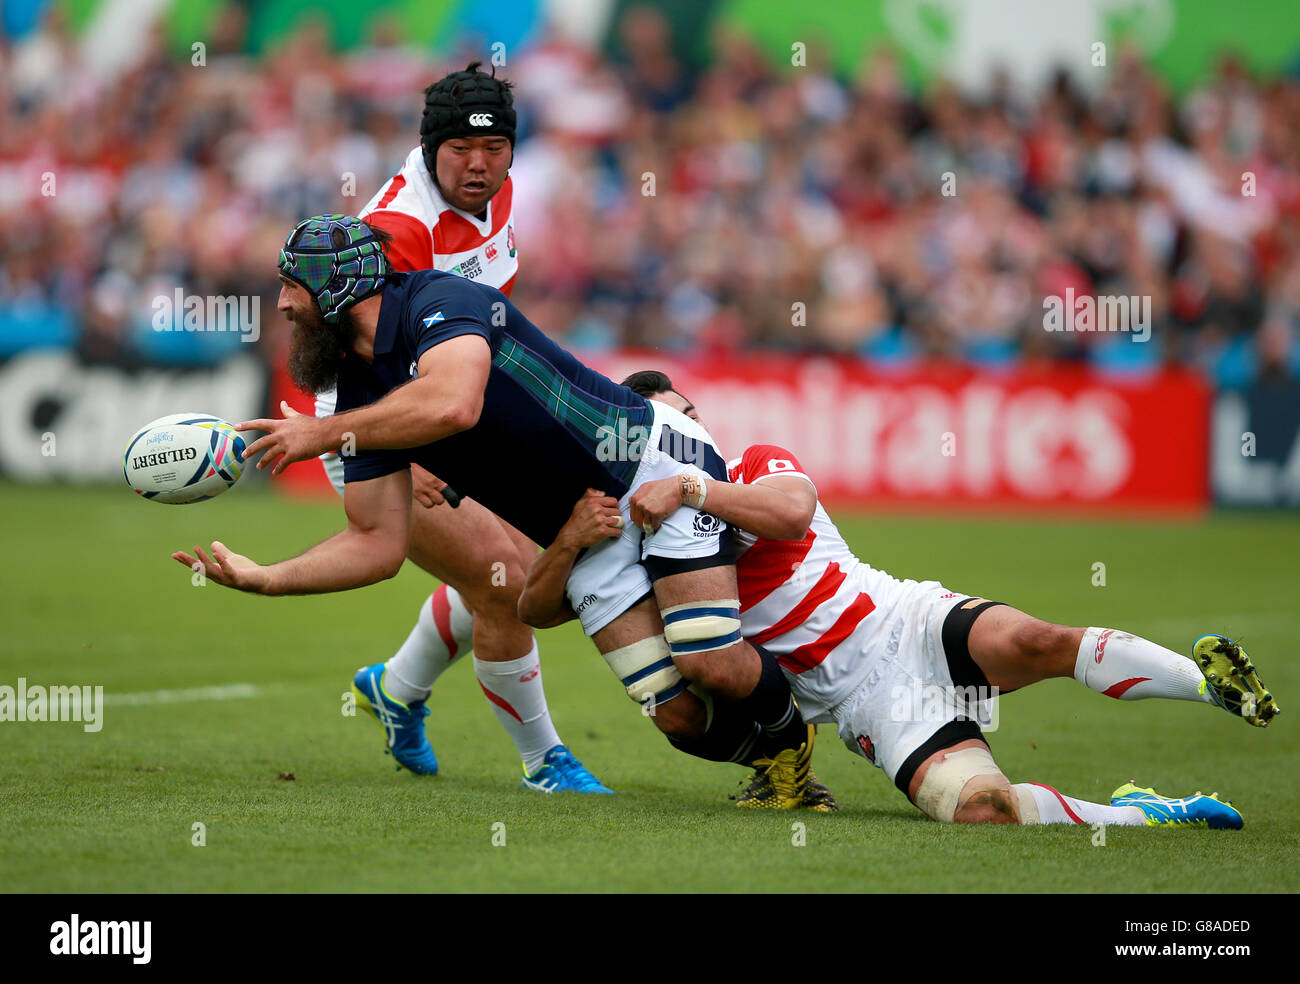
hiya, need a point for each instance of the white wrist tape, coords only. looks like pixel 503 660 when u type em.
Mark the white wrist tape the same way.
pixel 696 501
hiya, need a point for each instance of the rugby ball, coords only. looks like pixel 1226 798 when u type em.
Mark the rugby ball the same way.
pixel 184 457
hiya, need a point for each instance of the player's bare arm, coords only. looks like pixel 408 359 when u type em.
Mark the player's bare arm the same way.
pixel 371 548
pixel 778 508
pixel 542 604
pixel 445 399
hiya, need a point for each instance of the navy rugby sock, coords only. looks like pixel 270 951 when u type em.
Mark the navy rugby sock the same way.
pixel 730 736
pixel 772 705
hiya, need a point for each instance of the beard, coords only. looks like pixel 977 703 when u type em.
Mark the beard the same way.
pixel 317 350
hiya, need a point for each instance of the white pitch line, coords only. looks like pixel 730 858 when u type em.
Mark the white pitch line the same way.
pixel 229 691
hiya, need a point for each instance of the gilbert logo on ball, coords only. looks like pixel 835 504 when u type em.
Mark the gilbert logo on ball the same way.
pixel 184 457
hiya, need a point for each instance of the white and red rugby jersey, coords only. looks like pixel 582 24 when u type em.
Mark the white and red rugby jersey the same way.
pixel 429 234
pixel 809 602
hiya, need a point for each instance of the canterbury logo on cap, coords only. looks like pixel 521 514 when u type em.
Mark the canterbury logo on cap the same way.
pixel 480 119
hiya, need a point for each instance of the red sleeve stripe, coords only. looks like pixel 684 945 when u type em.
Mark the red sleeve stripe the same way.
pixel 412 245
pixel 822 592
pixel 757 457
pixel 781 474
pixel 394 186
pixel 806 657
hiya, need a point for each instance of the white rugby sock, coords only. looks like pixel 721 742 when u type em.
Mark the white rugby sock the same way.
pixel 1127 667
pixel 1040 803
pixel 514 689
pixel 443 632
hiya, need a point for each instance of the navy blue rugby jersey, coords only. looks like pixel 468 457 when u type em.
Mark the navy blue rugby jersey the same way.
pixel 550 428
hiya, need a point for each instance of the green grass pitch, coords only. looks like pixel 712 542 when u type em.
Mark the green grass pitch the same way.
pixel 91 597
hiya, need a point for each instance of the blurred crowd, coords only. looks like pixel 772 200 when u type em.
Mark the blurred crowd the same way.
pixel 750 205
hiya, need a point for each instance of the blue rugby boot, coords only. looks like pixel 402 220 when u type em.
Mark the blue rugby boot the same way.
pixel 1192 811
pixel 403 724
pixel 562 773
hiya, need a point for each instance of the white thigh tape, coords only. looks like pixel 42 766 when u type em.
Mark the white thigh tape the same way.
pixel 702 626
pixel 646 669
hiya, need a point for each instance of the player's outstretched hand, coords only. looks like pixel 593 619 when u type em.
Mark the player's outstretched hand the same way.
pixel 426 487
pixel 596 517
pixel 295 437
pixel 654 502
pixel 227 567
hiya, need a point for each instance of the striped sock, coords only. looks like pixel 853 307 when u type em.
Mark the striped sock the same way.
pixel 443 632
pixel 1040 803
pixel 514 689
pixel 1127 667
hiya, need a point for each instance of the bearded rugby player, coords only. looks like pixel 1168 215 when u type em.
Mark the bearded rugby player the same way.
pixel 450 208
pixel 439 371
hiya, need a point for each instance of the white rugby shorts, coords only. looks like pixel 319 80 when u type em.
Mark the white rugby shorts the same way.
pixel 906 692
pixel 609 577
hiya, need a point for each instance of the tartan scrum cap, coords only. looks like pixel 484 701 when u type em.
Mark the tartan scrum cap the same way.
pixel 338 259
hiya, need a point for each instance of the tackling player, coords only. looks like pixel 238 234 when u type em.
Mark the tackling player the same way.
pixel 450 208
pixel 437 370
pixel 904 669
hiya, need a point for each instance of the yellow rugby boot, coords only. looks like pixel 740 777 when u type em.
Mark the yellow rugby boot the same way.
pixel 1231 681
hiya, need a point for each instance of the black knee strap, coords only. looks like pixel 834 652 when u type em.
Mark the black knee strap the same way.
pixel 947 736
pixel 963 669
